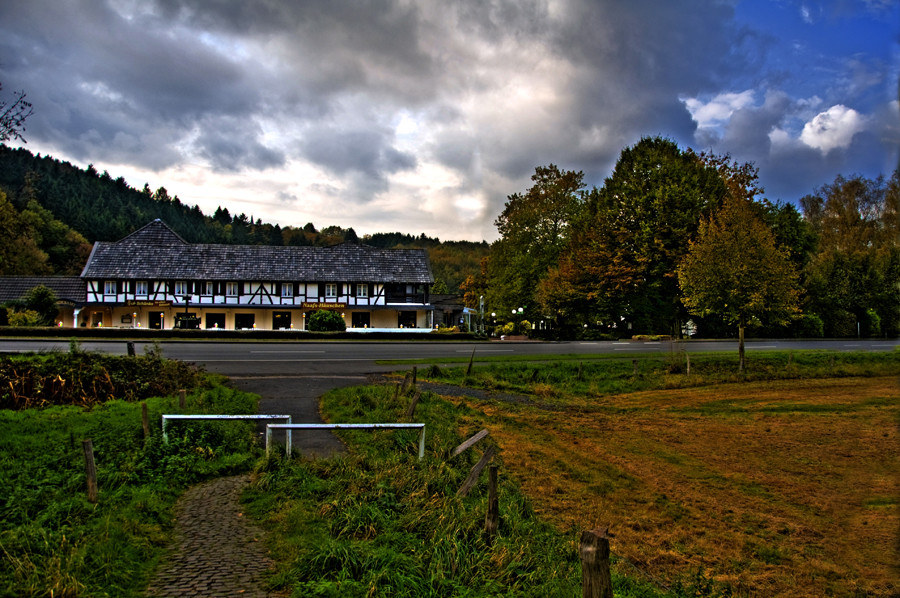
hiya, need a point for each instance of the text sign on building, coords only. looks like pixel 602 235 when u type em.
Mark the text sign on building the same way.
pixel 139 303
pixel 314 305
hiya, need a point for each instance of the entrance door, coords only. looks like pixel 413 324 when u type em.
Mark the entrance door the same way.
pixel 97 319
pixel 157 320
pixel 215 320
pixel 360 319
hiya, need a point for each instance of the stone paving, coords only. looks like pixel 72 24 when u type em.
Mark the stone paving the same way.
pixel 218 552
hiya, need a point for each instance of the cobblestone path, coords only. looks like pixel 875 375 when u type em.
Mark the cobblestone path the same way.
pixel 218 552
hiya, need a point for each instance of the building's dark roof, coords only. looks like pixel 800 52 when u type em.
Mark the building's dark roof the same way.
pixel 156 252
pixel 67 288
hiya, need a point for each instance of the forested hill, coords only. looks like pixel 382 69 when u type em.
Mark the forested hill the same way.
pixel 83 206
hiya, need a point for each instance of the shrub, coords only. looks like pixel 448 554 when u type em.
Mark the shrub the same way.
pixel 810 326
pixel 871 323
pixel 327 321
pixel 26 318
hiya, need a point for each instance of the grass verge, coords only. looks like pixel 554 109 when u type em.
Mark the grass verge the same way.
pixel 53 542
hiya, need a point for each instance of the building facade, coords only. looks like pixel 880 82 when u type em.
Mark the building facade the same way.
pixel 154 279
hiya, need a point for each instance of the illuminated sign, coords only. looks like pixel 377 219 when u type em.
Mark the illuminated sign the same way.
pixel 137 303
pixel 313 305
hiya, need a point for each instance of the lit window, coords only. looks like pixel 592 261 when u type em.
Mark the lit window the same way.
pixel 287 289
pixel 181 287
pixel 141 287
pixel 331 289
pixel 231 289
pixel 362 290
pixel 109 287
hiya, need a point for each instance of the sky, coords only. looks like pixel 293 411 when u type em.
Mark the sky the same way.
pixel 423 116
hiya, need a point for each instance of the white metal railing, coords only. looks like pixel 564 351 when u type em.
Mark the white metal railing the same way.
pixel 168 417
pixel 395 426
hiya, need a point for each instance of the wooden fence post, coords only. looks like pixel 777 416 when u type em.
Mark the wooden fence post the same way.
pixel 594 551
pixel 492 517
pixel 90 469
pixel 145 420
pixel 470 481
pixel 634 365
pixel 182 398
pixel 415 374
pixel 688 355
pixel 412 405
pixel 130 348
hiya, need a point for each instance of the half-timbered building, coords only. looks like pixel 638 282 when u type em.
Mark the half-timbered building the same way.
pixel 153 278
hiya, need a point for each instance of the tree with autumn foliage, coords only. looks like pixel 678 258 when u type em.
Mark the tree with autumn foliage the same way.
pixel 736 270
pixel 533 230
pixel 618 266
pixel 853 277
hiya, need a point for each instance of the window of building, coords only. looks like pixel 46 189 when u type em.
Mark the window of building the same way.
pixel 331 289
pixel 281 320
pixel 181 287
pixel 287 289
pixel 231 289
pixel 109 287
pixel 140 287
pixel 244 321
pixel 208 288
pixel 215 320
pixel 362 290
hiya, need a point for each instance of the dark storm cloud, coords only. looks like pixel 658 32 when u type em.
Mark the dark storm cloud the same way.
pixel 475 94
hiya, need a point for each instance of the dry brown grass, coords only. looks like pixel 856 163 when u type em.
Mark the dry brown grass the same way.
pixel 779 488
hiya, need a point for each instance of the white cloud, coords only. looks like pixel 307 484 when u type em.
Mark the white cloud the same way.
pixel 833 129
pixel 717 111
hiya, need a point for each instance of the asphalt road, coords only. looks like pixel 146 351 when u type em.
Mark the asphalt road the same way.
pixel 355 359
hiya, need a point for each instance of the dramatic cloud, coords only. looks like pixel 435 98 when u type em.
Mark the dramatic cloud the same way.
pixel 832 129
pixel 425 116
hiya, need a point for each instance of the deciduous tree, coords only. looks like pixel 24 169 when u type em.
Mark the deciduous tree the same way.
pixel 735 270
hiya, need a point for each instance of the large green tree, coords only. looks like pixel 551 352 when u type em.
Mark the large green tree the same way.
pixel 533 230
pixel 853 277
pixel 736 270
pixel 618 267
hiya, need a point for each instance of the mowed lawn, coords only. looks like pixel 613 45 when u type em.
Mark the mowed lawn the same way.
pixel 785 488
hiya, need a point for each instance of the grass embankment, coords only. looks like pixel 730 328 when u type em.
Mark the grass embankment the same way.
pixel 379 522
pixel 53 542
pixel 783 485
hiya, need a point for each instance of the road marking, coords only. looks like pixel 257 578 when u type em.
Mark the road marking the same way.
pixel 287 351
pixel 486 351
pixel 762 346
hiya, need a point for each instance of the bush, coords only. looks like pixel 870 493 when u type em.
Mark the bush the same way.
pixel 810 326
pixel 25 318
pixel 871 323
pixel 327 321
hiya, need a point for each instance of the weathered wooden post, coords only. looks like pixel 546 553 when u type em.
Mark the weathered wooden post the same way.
pixel 594 551
pixel 492 516
pixel 688 356
pixel 472 478
pixel 182 398
pixel 412 405
pixel 145 420
pixel 415 374
pixel 90 469
pixel 130 348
